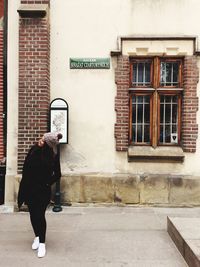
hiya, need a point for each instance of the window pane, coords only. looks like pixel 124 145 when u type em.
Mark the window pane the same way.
pixel 174 128
pixel 133 133
pixel 175 73
pixel 146 133
pixel 140 113
pixel 146 99
pixel 168 70
pixel 161 99
pixel 167 99
pixel 161 134
pixel 167 134
pixel 175 99
pixel 134 113
pixel 161 113
pixel 134 73
pixel 167 113
pixel 169 73
pixel 162 73
pixel 141 74
pixel 139 133
pixel 141 119
pixel 146 113
pixel 168 119
pixel 140 99
pixel 147 73
pixel 174 113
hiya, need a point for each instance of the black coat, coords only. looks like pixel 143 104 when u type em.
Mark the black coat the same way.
pixel 40 170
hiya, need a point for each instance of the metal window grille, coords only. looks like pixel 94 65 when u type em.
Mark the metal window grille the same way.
pixel 168 119
pixel 141 119
pixel 141 74
pixel 169 73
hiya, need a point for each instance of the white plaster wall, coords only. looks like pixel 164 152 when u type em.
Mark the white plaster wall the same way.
pixel 12 100
pixel 90 28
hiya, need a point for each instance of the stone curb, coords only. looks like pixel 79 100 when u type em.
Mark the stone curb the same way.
pixel 178 229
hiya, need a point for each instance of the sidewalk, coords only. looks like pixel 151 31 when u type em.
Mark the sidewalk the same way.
pixel 95 237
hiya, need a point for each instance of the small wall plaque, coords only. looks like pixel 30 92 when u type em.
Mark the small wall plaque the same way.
pixel 174 138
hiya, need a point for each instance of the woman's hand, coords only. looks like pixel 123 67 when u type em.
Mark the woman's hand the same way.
pixel 41 142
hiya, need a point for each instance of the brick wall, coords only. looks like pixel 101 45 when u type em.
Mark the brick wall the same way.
pixel 190 104
pixel 1 8
pixel 1 95
pixel 122 103
pixel 34 81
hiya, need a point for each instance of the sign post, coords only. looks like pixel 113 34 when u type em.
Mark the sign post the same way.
pixel 59 123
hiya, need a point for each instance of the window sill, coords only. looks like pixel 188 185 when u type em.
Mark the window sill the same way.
pixel 159 154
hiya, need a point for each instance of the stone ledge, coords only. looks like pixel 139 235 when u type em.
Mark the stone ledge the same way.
pixel 157 190
pixel 33 11
pixel 185 232
pixel 155 44
pixel 169 154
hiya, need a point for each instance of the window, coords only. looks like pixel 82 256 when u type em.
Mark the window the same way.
pixel 155 101
pixel 141 110
pixel 141 73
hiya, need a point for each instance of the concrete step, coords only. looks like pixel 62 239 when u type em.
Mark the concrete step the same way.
pixel 185 232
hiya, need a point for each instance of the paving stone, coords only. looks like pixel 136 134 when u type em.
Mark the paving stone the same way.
pixel 92 237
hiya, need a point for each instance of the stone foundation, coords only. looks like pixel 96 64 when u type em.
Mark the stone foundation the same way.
pixel 163 190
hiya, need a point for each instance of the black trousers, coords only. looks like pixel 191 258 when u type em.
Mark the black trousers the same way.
pixel 37 216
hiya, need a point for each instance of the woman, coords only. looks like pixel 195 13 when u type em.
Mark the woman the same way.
pixel 41 169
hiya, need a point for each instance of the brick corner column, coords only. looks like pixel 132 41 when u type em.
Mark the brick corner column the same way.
pixel 122 103
pixel 190 104
pixel 34 79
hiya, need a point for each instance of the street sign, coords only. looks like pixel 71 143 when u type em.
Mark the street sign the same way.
pixel 89 63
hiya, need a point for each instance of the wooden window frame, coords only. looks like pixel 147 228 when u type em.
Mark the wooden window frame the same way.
pixel 155 90
pixel 137 60
pixel 180 60
pixel 179 116
pixel 130 118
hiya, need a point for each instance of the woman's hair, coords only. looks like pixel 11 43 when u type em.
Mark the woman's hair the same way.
pixel 59 136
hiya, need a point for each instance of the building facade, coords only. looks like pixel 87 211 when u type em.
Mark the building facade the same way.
pixel 129 71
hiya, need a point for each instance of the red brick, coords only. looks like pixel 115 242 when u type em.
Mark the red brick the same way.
pixel 34 81
pixel 190 104
pixel 122 103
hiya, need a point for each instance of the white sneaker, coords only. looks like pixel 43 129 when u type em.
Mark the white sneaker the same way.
pixel 36 243
pixel 41 250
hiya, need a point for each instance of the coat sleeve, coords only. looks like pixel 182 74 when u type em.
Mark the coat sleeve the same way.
pixel 56 171
pixel 21 197
pixel 22 186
